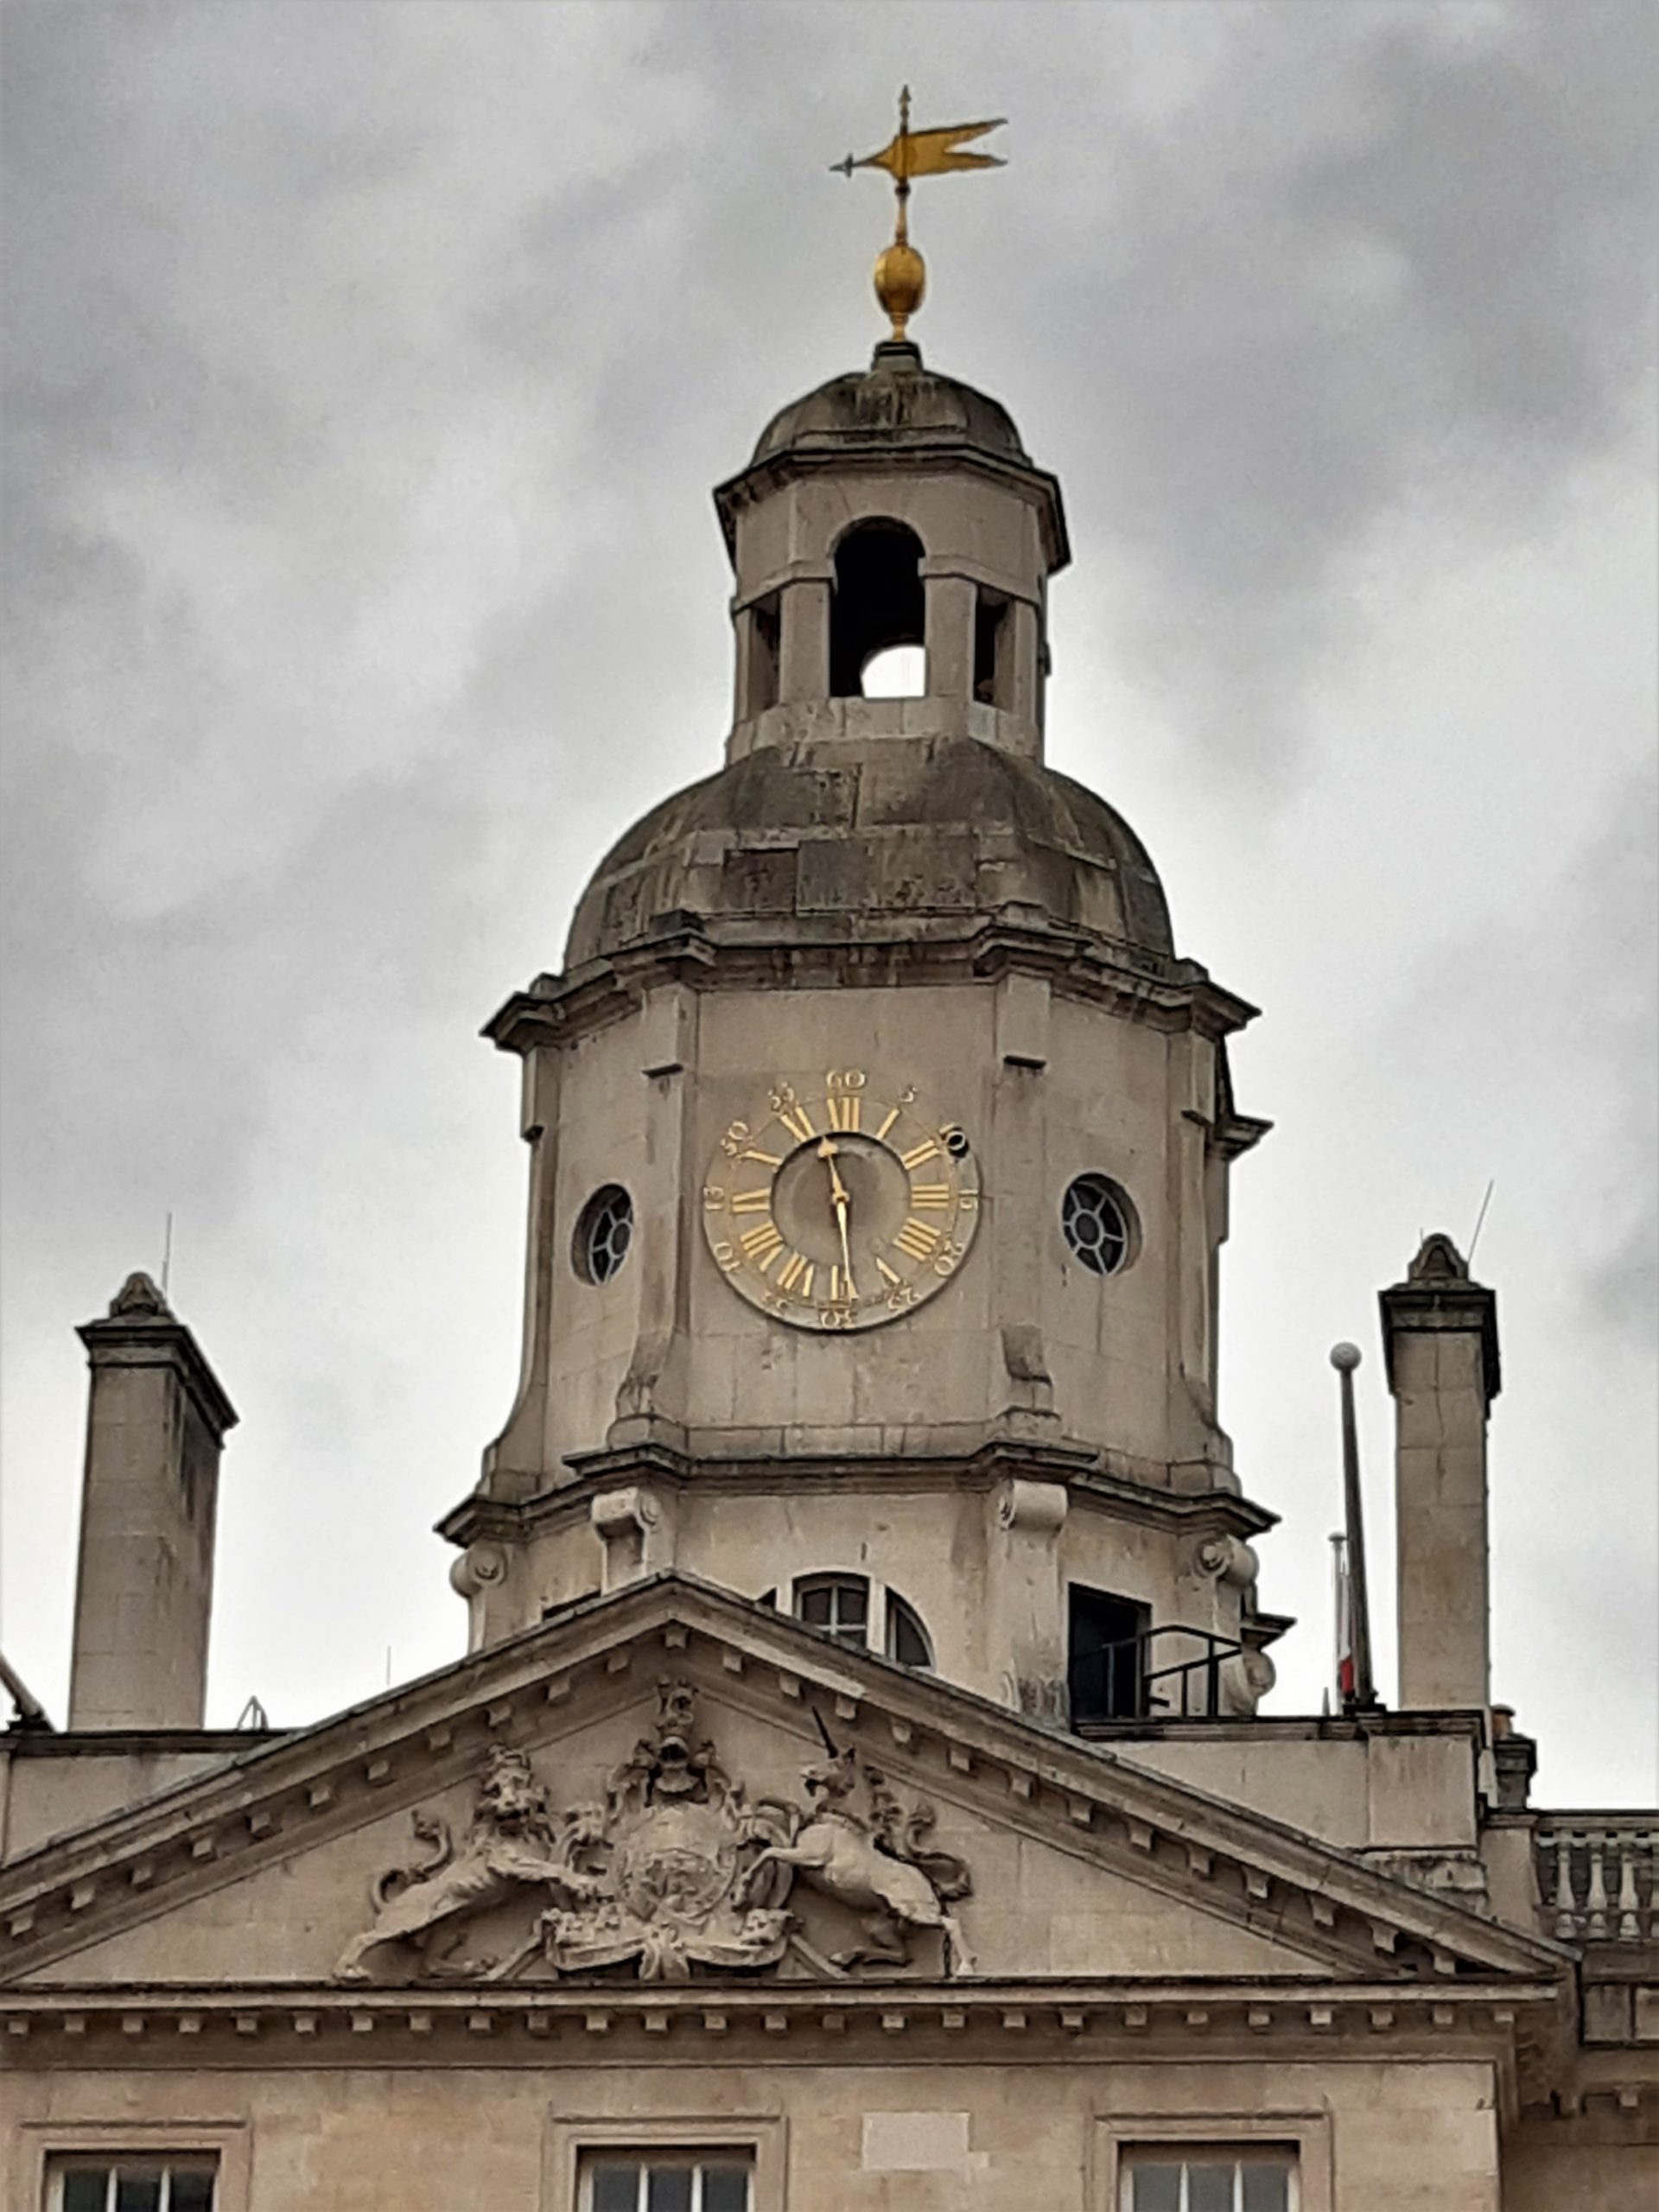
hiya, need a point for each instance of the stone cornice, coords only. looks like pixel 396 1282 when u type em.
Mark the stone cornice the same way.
pixel 999 2022
pixel 145 1339
pixel 860 454
pixel 1433 1305
pixel 1195 1513
pixel 1288 1727
pixel 773 951
pixel 287 1795
pixel 135 1742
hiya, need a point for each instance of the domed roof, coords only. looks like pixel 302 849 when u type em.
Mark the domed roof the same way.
pixel 896 402
pixel 865 831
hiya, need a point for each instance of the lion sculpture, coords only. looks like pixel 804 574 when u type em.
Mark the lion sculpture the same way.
pixel 510 1845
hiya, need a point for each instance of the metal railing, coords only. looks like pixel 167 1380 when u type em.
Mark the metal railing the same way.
pixel 1599 1876
pixel 1116 1684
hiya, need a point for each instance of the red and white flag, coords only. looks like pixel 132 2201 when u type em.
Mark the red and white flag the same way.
pixel 1344 1678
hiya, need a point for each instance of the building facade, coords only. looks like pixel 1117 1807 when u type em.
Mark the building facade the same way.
pixel 855 1796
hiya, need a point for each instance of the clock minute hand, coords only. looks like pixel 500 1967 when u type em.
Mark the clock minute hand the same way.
pixel 842 1204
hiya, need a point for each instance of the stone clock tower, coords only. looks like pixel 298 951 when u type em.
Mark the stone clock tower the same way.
pixel 880 1138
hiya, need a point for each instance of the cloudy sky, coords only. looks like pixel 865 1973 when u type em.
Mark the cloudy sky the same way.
pixel 369 366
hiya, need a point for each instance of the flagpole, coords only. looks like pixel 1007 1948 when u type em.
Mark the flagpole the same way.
pixel 1345 1358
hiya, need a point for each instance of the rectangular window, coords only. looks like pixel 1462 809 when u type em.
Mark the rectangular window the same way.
pixel 686 2181
pixel 141 2182
pixel 1208 2177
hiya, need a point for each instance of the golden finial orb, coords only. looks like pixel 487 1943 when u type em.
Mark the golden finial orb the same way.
pixel 900 272
pixel 900 283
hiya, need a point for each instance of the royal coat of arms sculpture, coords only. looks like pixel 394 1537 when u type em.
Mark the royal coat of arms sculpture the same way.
pixel 676 1871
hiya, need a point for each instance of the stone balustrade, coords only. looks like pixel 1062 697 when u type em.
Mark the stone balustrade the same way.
pixel 1599 1876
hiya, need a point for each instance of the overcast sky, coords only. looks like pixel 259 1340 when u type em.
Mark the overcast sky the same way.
pixel 368 366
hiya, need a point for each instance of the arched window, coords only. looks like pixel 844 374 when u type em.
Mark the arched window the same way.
pixel 858 1611
pixel 879 602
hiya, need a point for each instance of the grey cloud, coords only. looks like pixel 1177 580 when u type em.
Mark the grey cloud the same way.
pixel 1566 1003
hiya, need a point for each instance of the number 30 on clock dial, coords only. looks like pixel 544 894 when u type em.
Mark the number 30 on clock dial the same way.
pixel 839 1203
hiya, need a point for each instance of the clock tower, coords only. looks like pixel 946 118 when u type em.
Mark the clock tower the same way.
pixel 880 1138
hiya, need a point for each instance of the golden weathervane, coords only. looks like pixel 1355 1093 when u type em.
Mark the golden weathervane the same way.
pixel 900 272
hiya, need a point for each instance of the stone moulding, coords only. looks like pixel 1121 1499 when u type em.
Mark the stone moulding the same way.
pixel 1515 2026
pixel 481 1518
pixel 685 948
pixel 1103 2013
pixel 772 472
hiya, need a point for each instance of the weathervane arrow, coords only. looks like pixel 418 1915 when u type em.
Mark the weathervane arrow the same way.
pixel 928 153
pixel 900 273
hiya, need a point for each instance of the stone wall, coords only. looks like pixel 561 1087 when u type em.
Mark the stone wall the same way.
pixel 877 2136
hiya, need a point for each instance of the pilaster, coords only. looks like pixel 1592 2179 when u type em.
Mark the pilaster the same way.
pixel 514 1464
pixel 649 1404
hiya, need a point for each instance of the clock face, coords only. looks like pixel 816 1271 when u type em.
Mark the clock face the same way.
pixel 831 1207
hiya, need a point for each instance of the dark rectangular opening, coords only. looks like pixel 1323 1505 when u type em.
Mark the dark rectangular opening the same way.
pixel 766 638
pixel 1105 1665
pixel 991 650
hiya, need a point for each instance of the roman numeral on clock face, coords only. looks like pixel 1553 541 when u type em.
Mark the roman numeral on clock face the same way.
pixel 919 1239
pixel 798 1122
pixel 926 1150
pixel 761 1244
pixel 926 1197
pixel 751 1201
pixel 796 1274
pixel 844 1109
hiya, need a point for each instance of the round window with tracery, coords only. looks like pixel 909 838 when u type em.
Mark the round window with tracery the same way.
pixel 603 1234
pixel 1096 1218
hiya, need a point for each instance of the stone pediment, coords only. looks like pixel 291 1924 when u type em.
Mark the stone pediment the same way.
pixel 674 1786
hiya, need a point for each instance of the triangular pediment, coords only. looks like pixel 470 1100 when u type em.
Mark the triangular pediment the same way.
pixel 437 1820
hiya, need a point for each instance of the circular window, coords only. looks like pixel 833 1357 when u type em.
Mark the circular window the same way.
pixel 604 1234
pixel 1095 1216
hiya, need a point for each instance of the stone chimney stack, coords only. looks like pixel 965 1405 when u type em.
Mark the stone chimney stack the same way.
pixel 155 1424
pixel 1440 1336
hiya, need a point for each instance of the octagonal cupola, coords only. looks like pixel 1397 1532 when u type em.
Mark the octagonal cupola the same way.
pixel 895 507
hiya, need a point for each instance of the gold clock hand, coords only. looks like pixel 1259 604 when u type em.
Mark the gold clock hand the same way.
pixel 841 1208
pixel 842 1203
pixel 829 1154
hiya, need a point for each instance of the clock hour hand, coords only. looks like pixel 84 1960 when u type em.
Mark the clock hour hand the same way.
pixel 842 1204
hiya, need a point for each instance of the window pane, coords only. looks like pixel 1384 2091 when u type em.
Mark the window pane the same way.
pixel 1157 2185
pixel 670 2190
pixel 852 1603
pixel 190 2192
pixel 85 2191
pixel 725 2189
pixel 1210 2188
pixel 137 2192
pixel 1267 2188
pixel 904 1635
pixel 814 1605
pixel 616 2188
